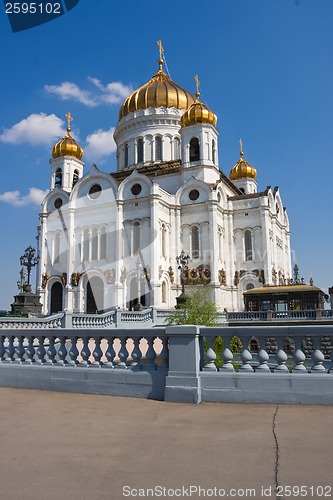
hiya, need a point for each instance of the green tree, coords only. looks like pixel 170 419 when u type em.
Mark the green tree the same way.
pixel 197 309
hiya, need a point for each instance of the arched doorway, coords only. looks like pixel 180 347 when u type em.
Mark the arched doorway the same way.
pixel 133 294
pixel 56 297
pixel 94 295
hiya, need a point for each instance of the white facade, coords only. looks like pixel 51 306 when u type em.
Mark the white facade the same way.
pixel 167 195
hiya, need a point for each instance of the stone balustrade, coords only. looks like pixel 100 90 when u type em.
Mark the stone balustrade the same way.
pixel 54 321
pixel 179 363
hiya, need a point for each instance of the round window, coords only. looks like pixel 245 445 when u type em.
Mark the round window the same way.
pixel 95 191
pixel 136 189
pixel 58 203
pixel 194 194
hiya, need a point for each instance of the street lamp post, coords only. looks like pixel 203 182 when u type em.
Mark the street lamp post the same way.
pixel 29 261
pixel 182 262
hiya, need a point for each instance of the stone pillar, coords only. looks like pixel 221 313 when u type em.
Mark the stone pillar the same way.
pixel 213 243
pixel 119 255
pixel 183 383
pixel 266 246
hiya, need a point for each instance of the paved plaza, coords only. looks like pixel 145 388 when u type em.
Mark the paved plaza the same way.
pixel 72 446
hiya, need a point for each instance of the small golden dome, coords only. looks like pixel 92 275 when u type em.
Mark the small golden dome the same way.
pixel 198 112
pixel 67 146
pixel 242 168
pixel 160 91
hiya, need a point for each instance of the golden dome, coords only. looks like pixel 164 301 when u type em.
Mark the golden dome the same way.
pixel 198 112
pixel 67 146
pixel 242 168
pixel 160 91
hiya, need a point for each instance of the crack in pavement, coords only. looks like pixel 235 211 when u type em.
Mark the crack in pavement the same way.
pixel 277 455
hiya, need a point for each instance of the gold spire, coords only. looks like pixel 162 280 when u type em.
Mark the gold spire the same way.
pixel 241 148
pixel 197 84
pixel 160 61
pixel 69 120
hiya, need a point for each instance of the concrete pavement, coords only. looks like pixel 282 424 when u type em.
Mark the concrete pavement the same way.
pixel 72 446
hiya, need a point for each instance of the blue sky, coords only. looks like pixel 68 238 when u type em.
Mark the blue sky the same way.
pixel 265 68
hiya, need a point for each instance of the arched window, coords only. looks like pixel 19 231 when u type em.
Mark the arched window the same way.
pixel 158 149
pixel 248 245
pixel 75 177
pixel 177 149
pixel 126 155
pixel 287 346
pixel 94 295
pixel 249 286
pixel 194 149
pixel 140 150
pixel 56 252
pixel 253 346
pixel 56 298
pixel 164 292
pixel 213 152
pixel 102 251
pixel 58 178
pixel 163 240
pixel 195 242
pixel 136 237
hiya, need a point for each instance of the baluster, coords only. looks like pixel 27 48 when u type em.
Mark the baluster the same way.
pixel 20 351
pixel 210 356
pixel 123 354
pixel 227 357
pixel 30 351
pixel 282 359
pixel 51 351
pixel 10 350
pixel 318 358
pixel 97 353
pixel 164 355
pixel 109 354
pixel 299 358
pixel 62 352
pixel 85 353
pixel 150 354
pixel 73 353
pixel 2 348
pixel 263 362
pixel 246 360
pixel 136 354
pixel 41 352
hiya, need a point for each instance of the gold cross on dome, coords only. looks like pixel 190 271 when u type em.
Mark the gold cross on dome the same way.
pixel 160 46
pixel 197 83
pixel 241 147
pixel 69 120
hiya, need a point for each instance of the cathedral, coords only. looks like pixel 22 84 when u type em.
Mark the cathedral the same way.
pixel 111 240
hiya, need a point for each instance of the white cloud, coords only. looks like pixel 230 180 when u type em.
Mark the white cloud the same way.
pixel 34 197
pixel 68 90
pixel 100 144
pixel 111 93
pixel 36 129
pixel 114 92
